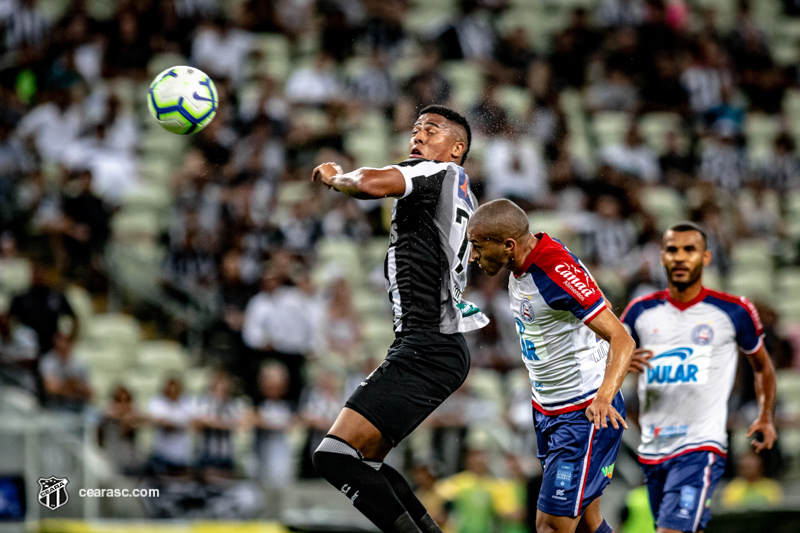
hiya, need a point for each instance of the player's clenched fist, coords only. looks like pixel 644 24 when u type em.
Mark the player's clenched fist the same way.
pixel 325 172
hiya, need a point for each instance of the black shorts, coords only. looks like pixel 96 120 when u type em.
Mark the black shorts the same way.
pixel 420 371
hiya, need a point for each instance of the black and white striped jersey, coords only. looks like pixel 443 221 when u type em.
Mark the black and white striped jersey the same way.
pixel 426 264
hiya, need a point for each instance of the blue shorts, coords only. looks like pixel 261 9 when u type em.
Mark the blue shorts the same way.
pixel 578 461
pixel 680 489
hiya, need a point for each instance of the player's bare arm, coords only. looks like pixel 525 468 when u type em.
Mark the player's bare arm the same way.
pixel 364 183
pixel 765 394
pixel 620 353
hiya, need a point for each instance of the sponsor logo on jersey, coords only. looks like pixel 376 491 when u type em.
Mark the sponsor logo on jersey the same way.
pixel 688 495
pixel 668 432
pixel 564 475
pixel 702 334
pixel 575 279
pixel 682 365
pixel 526 311
pixel 463 187
pixel 608 471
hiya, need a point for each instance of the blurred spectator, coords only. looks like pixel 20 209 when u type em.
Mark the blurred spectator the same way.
pixel 218 414
pixel 25 26
pixel 384 32
pixel 759 218
pixel 66 379
pixel 614 13
pixel 272 419
pixel 128 50
pixel 117 430
pixel 677 166
pixel 18 352
pixel 52 125
pixel 633 157
pixel 319 407
pixel 42 307
pixel 663 90
pixel 616 92
pixel 706 76
pixel 220 49
pixel 428 85
pixel 479 500
pixel 572 49
pixel 424 476
pixel 514 55
pixel 750 489
pixel 171 414
pixel 488 116
pixel 515 169
pixel 723 160
pixel 315 84
pixel 611 235
pixel 471 36
pixel 781 171
pixel 343 329
pixel 374 86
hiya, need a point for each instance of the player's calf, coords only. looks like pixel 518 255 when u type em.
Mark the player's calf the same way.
pixel 368 490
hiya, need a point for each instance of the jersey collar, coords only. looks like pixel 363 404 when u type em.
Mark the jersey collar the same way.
pixel 683 306
pixel 533 254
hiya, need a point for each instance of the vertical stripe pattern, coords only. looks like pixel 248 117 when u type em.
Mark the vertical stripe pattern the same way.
pixel 701 505
pixel 394 296
pixel 584 473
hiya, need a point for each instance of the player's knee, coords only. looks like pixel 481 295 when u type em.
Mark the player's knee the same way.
pixel 545 524
pixel 331 456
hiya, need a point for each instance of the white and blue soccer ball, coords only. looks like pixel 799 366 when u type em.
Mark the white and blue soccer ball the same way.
pixel 183 100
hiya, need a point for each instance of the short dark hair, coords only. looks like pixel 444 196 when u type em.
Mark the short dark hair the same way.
pixel 453 116
pixel 686 225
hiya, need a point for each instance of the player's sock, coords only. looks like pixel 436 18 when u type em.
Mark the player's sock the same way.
pixel 604 528
pixel 409 500
pixel 369 491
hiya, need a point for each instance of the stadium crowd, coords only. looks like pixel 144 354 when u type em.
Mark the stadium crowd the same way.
pixel 606 120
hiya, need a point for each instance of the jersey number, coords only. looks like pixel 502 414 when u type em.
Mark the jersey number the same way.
pixel 461 215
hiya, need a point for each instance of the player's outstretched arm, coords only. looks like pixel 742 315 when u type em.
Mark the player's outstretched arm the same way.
pixel 608 327
pixel 364 183
pixel 765 387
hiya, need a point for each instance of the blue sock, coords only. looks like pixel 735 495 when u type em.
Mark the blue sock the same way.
pixel 604 528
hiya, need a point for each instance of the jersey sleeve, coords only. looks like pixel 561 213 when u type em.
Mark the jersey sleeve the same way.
pixel 749 330
pixel 628 319
pixel 423 178
pixel 566 284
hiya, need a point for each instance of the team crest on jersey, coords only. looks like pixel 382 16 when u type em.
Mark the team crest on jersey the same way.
pixel 526 311
pixel 702 334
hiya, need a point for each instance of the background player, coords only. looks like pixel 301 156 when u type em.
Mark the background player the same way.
pixel 688 337
pixel 426 274
pixel 560 313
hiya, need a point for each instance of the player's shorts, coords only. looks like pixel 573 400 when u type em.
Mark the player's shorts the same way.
pixel 578 460
pixel 680 489
pixel 420 371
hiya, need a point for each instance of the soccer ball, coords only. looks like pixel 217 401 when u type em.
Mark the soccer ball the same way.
pixel 183 100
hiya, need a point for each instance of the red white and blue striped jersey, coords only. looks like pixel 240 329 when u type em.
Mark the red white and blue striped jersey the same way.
pixel 552 300
pixel 684 396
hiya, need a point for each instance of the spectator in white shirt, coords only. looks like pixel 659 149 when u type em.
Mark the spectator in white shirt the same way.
pixel 52 125
pixel 315 84
pixel 272 419
pixel 220 50
pixel 171 413
pixel 633 157
pixel 66 379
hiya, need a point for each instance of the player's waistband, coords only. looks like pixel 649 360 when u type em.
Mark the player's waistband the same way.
pixel 564 406
pixel 655 459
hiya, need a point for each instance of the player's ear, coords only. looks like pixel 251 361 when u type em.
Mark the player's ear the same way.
pixel 458 150
pixel 707 258
pixel 510 245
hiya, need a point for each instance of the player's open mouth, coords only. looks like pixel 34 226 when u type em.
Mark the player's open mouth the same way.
pixel 415 153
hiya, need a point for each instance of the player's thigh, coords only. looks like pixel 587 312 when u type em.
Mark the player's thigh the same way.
pixel 418 374
pixel 548 523
pixel 591 518
pixel 361 434
pixel 578 461
pixel 689 484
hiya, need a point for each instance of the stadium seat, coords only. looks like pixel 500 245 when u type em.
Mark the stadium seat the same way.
pixel 115 328
pixel 275 57
pixel 130 226
pixel 341 255
pixel 546 221
pixel 81 302
pixel 754 283
pixel 760 131
pixel 467 80
pixel 196 380
pixel 161 62
pixel 654 128
pixel 162 356
pixel 752 254
pixel 516 100
pixel 143 386
pixel 609 127
pixel 664 204
pixel 371 303
pixel 15 275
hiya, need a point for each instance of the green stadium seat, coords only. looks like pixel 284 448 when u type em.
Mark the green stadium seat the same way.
pixel 135 226
pixel 81 302
pixel 342 256
pixel 547 221
pixel 654 128
pixel 753 254
pixel 664 204
pixel 275 54
pixel 516 100
pixel 760 131
pixel 753 282
pixel 15 275
pixel 467 80
pixel 116 328
pixel 162 356
pixel 609 127
pixel 196 380
pixel 161 62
